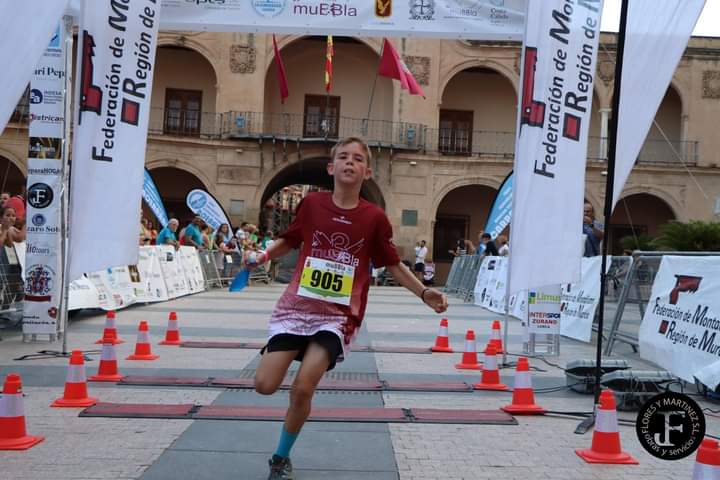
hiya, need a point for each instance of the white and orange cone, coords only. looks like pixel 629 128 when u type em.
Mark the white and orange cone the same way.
pixel 76 393
pixel 172 334
pixel 143 350
pixel 13 435
pixel 469 359
pixel 490 378
pixel 523 399
pixel 606 437
pixel 442 341
pixel 707 462
pixel 496 339
pixel 110 329
pixel 108 369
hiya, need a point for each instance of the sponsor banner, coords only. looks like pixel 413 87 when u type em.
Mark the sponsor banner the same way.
pixel 114 287
pixel 43 275
pixel 204 204
pixel 544 310
pixel 116 52
pixel 153 283
pixel 25 28
pixel 558 70
pixel 153 199
pixel 477 19
pixel 681 327
pixel 657 34
pixel 83 294
pixel 481 284
pixel 173 274
pixel 580 301
pixel 501 210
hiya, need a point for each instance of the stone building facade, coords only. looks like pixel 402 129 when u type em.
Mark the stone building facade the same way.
pixel 217 123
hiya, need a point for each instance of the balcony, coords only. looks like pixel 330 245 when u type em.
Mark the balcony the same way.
pixel 654 152
pixel 318 128
pixel 452 141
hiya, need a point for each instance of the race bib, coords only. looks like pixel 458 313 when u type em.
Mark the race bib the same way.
pixel 327 280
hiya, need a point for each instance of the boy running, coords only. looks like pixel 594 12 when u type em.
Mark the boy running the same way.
pixel 317 318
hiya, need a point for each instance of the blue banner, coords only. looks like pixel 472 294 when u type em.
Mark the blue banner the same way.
pixel 501 211
pixel 153 200
pixel 204 204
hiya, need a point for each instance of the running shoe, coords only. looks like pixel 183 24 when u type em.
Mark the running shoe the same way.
pixel 280 468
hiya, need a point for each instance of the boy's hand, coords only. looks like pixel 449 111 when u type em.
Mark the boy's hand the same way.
pixel 252 260
pixel 436 300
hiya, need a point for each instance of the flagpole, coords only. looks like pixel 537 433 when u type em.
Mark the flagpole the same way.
pixel 366 120
pixel 609 186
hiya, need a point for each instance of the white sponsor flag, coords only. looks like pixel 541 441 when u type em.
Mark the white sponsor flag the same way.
pixel 559 56
pixel 204 204
pixel 656 36
pixel 25 29
pixel 681 327
pixel 116 54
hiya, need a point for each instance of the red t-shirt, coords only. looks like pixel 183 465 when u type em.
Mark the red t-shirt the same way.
pixel 349 237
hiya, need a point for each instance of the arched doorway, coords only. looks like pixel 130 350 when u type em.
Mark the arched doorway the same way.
pixel 477 114
pixel 174 185
pixel 12 180
pixel 184 94
pixel 669 119
pixel 282 194
pixel 638 215
pixel 461 215
pixel 309 111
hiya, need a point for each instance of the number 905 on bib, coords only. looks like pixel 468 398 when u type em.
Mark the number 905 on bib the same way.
pixel 327 280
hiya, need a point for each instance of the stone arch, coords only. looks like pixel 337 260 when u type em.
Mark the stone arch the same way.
pixel 183 165
pixel 491 182
pixel 665 196
pixel 189 43
pixel 22 166
pixel 637 214
pixel 500 68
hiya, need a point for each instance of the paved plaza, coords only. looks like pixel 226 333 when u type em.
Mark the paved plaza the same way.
pixel 150 449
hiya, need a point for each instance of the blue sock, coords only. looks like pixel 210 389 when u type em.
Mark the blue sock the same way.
pixel 286 442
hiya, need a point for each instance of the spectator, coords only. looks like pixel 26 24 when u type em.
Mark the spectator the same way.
pixel 460 248
pixel 241 234
pixel 490 247
pixel 193 235
pixel 4 197
pixel 9 233
pixel 208 235
pixel 252 234
pixel 267 240
pixel 226 233
pixel 167 234
pixel 421 252
pixel 18 203
pixel 592 230
pixel 145 232
pixel 504 249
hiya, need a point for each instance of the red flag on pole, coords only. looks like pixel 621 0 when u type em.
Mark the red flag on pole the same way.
pixel 282 79
pixel 392 66
pixel 329 52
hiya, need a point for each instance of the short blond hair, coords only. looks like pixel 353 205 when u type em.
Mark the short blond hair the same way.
pixel 348 141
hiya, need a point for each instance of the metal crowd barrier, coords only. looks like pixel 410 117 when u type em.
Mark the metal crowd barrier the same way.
pixel 453 280
pixel 12 287
pixel 210 270
pixel 636 289
pixel 463 276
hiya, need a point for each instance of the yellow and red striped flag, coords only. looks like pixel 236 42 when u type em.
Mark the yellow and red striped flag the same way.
pixel 329 52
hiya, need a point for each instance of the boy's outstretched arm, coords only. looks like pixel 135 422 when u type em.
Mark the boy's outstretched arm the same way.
pixel 433 298
pixel 279 248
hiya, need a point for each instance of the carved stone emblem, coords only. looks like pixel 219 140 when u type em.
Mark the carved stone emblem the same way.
pixel 711 84
pixel 242 59
pixel 420 68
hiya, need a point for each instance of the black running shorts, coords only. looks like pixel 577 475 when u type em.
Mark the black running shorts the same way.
pixel 283 342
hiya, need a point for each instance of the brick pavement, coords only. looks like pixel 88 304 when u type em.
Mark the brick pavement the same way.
pixel 95 448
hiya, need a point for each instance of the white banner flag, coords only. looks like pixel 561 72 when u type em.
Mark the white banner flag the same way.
pixel 681 327
pixel 558 68
pixel 25 29
pixel 116 53
pixel 656 36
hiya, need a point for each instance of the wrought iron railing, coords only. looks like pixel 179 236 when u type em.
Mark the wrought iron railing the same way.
pixel 653 152
pixel 453 141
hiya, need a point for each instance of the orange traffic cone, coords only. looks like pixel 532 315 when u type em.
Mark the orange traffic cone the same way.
pixel 142 346
pixel 469 358
pixel 523 399
pixel 606 438
pixel 13 435
pixel 108 369
pixel 707 462
pixel 496 340
pixel 442 342
pixel 172 334
pixel 110 329
pixel 75 384
pixel 490 379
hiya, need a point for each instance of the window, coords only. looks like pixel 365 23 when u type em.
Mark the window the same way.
pixel 409 218
pixel 322 115
pixel 455 136
pixel 448 230
pixel 182 112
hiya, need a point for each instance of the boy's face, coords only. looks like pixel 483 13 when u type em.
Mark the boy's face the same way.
pixel 350 165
